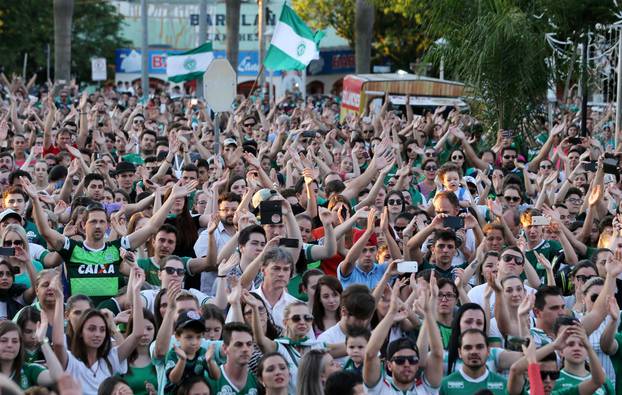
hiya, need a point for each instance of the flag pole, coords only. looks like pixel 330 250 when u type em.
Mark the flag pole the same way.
pixel 257 78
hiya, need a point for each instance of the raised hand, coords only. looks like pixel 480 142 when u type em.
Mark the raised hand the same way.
pixel 371 219
pixel 235 290
pixel 526 305
pixel 180 191
pixel 27 186
pixel 326 216
pixel 42 329
pixel 180 353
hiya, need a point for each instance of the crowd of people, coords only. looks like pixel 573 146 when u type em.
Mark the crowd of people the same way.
pixel 304 252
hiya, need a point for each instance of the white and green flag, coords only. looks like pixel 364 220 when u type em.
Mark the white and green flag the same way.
pixel 189 65
pixel 294 45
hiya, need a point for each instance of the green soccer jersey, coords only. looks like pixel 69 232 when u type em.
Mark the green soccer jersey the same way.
pixel 29 375
pixel 550 249
pixel 459 383
pixel 568 380
pixel 223 386
pixel 152 270
pixel 94 273
pixel 616 360
pixel 445 334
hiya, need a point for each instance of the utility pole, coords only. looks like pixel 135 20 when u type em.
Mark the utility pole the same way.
pixel 202 39
pixel 144 51
pixel 261 17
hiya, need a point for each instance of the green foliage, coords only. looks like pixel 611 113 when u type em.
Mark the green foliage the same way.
pixel 498 48
pixel 572 17
pixel 28 26
pixel 399 32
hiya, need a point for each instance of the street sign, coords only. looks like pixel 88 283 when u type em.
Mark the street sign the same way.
pixel 98 69
pixel 219 85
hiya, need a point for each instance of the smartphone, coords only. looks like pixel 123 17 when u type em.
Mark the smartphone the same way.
pixel 407 267
pixel 270 212
pixel 508 134
pixel 590 166
pixel 7 251
pixel 309 133
pixel 540 220
pixel 575 140
pixel 515 342
pixel 454 223
pixel 610 165
pixel 291 243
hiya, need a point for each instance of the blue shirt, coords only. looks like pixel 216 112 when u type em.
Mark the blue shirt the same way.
pixel 358 276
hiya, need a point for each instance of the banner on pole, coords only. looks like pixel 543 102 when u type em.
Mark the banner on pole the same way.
pixel 98 69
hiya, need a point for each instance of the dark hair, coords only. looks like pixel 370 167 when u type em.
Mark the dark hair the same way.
pixel 542 293
pixel 442 281
pixel 231 327
pixel 398 193
pixel 18 173
pixel 245 234
pixel 186 227
pixel 10 190
pixel 93 177
pixel 272 331
pixel 71 302
pixel 147 315
pixel 229 197
pixel 573 191
pixel 450 196
pixel 334 187
pixel 471 331
pixel 212 312
pixel 18 362
pixel 358 301
pixel 28 314
pixel 318 308
pixel 78 347
pixel 187 383
pixel 168 228
pixel 582 265
pixel 454 339
pixel 565 320
pixel 445 234
pixel 107 386
pixel 358 331
pixel 306 276
pixel 342 383
pixel 262 361
pixel 156 308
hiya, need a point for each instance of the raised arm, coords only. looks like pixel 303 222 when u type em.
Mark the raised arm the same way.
pixel 329 248
pixel 163 338
pixel 55 369
pixel 265 344
pixel 142 235
pixel 58 328
pixel 433 372
pixel 347 265
pixel 608 342
pixel 54 239
pixel 254 267
pixel 136 281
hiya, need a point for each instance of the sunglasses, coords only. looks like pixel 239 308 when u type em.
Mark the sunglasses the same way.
pixel 457 157
pixel 509 258
pixel 9 243
pixel 429 154
pixel 139 121
pixel 171 270
pixel 297 318
pixel 413 360
pixel 583 278
pixel 508 157
pixel 544 167
pixel 249 125
pixel 552 375
pixel 395 202
pixel 431 168
pixel 512 198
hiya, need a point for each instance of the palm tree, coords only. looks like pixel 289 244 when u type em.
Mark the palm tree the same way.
pixel 498 48
pixel 63 15
pixel 233 31
pixel 363 35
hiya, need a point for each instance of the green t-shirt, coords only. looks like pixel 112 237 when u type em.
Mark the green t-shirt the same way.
pixel 194 367
pixel 445 334
pixel 551 249
pixel 23 278
pixel 32 233
pixel 136 378
pixel 223 386
pixel 458 383
pixel 28 375
pixel 568 380
pixel 152 270
pixel 94 273
pixel 133 158
pixel 616 360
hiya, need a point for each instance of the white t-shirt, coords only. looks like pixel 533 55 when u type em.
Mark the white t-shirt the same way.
pixel 334 335
pixel 476 295
pixel 91 378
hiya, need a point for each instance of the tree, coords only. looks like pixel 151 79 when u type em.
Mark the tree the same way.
pixel 233 31
pixel 63 14
pixel 364 25
pixel 28 27
pixel 398 37
pixel 498 48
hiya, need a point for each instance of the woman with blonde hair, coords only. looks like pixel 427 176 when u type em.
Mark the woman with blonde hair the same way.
pixel 14 236
pixel 136 222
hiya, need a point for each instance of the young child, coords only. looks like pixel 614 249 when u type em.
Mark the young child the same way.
pixel 356 341
pixel 187 359
pixel 450 177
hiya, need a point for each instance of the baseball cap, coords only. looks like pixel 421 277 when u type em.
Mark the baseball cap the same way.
pixel 470 180
pixel 125 167
pixel 373 239
pixel 403 343
pixel 8 213
pixel 190 319
pixel 261 196
pixel 230 141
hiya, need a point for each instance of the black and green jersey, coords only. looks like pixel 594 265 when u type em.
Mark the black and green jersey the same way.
pixel 550 249
pixel 568 380
pixel 95 273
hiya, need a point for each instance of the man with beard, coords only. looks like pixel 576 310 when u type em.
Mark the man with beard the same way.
pixel 235 378
pixel 473 375
pixel 93 267
pixel 403 355
pixel 443 250
pixel 6 161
